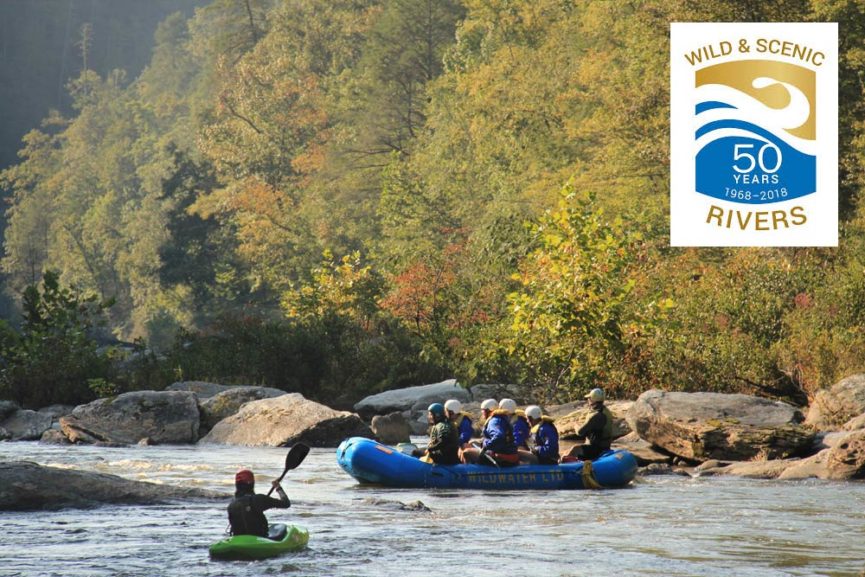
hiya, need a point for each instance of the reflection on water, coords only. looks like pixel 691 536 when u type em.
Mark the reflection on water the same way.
pixel 670 526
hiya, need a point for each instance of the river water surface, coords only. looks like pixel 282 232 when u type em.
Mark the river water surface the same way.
pixel 662 525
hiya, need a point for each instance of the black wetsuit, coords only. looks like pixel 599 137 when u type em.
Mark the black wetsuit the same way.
pixel 246 512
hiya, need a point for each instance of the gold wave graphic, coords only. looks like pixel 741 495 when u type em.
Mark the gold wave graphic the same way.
pixel 741 75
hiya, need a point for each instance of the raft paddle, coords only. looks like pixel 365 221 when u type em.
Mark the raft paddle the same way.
pixel 295 457
pixel 493 461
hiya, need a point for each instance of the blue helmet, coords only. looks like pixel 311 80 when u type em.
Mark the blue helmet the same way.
pixel 437 410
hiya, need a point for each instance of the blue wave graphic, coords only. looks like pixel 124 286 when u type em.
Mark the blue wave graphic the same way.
pixel 711 105
pixel 795 177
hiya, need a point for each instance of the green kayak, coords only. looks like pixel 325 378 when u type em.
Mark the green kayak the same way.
pixel 245 547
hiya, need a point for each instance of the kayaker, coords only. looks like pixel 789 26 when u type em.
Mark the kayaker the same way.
pixel 498 447
pixel 597 430
pixel 462 421
pixel 444 443
pixel 544 436
pixel 246 511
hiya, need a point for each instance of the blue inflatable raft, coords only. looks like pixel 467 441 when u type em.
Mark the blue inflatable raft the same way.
pixel 371 462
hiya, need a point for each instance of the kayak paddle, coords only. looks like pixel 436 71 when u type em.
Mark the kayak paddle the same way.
pixel 295 457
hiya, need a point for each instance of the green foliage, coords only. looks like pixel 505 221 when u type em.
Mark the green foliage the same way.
pixel 421 134
pixel 54 358
pixel 569 316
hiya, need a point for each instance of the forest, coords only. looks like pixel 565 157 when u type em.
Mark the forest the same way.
pixel 343 197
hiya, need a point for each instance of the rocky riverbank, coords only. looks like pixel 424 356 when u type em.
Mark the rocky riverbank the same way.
pixel 693 433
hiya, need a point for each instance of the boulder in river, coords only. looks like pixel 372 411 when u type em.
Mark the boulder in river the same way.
pixel 702 426
pixel 7 408
pixel 833 407
pixel 26 486
pixel 228 402
pixel 391 429
pixel 407 398
pixel 166 417
pixel 286 420
pixel 203 389
pixel 26 425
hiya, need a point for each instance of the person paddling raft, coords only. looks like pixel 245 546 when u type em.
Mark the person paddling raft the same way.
pixel 597 430
pixel 544 436
pixel 246 511
pixel 444 443
pixel 462 421
pixel 498 447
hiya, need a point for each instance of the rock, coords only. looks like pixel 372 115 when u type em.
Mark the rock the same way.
pixel 286 420
pixel 813 466
pixel 203 389
pixel 835 406
pixel 570 422
pixel 642 450
pixel 166 417
pixel 54 437
pixel 26 425
pixel 846 460
pixel 27 486
pixel 656 469
pixel 752 469
pixel 855 423
pixel 701 426
pixel 416 506
pixel 4 434
pixel 418 422
pixel 404 399
pixel 228 402
pixel 391 429
pixel 7 408
pixel 518 393
pixel 830 439
pixel 57 411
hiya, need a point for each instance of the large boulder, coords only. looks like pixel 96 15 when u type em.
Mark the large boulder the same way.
pixel 519 393
pixel 391 429
pixel 643 451
pixel 57 411
pixel 203 389
pixel 228 402
pixel 26 425
pixel 408 398
pixel 833 407
pixel 702 426
pixel 7 408
pixel 568 423
pixel 855 423
pixel 27 486
pixel 286 420
pixel 846 460
pixel 164 417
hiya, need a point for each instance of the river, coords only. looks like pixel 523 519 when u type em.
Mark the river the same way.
pixel 662 525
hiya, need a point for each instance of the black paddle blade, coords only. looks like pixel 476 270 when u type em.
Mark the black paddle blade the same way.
pixel 296 456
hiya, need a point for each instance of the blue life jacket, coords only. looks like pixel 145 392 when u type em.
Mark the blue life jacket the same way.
pixel 521 431
pixel 464 427
pixel 545 438
pixel 499 435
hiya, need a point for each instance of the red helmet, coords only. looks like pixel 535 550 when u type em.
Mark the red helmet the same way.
pixel 244 477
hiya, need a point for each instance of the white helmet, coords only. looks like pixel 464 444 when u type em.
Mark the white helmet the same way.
pixel 453 406
pixel 508 405
pixel 533 412
pixel 595 396
pixel 489 405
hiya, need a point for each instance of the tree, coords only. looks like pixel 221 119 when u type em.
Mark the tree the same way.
pixel 55 357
